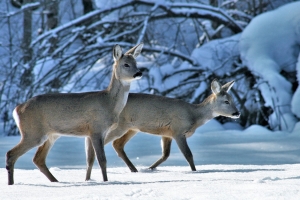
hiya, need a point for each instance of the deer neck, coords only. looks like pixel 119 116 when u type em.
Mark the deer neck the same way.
pixel 118 91
pixel 204 111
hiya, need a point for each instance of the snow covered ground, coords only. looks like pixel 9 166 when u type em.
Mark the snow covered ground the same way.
pixel 210 182
pixel 234 164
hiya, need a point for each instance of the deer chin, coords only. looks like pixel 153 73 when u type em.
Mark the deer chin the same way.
pixel 235 116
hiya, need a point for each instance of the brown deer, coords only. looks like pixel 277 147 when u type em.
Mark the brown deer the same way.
pixel 44 118
pixel 166 117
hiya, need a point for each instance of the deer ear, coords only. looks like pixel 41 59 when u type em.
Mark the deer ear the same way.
pixel 228 86
pixel 117 52
pixel 215 86
pixel 136 50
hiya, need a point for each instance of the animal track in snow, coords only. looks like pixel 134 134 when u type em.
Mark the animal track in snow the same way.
pixel 267 179
pixel 140 193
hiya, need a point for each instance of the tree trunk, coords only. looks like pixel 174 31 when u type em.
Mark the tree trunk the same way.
pixel 87 6
pixel 27 32
pixel 51 11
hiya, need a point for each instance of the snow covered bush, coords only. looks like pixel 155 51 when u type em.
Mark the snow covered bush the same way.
pixel 270 47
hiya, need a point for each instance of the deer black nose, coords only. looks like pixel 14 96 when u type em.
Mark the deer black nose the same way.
pixel 139 74
pixel 236 114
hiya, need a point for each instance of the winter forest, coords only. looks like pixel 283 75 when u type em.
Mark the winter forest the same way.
pixel 49 46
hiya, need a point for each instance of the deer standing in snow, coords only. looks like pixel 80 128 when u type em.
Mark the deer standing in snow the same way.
pixel 42 119
pixel 166 117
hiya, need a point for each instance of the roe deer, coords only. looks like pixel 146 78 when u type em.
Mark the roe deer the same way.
pixel 166 117
pixel 42 119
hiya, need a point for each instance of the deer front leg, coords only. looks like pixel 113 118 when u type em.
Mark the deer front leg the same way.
pixel 119 144
pixel 40 158
pixel 90 157
pixel 98 144
pixel 184 148
pixel 166 149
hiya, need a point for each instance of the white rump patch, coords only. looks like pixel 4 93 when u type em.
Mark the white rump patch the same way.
pixel 16 117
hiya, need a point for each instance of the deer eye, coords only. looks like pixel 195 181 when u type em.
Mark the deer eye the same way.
pixel 126 65
pixel 227 102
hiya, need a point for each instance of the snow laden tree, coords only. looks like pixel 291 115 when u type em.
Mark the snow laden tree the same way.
pixel 187 45
pixel 273 56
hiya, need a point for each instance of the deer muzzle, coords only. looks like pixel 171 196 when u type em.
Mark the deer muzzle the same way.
pixel 138 75
pixel 236 114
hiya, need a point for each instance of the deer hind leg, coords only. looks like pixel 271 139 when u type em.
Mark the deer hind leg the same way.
pixel 98 145
pixel 40 157
pixel 184 148
pixel 166 149
pixel 12 155
pixel 119 144
pixel 90 157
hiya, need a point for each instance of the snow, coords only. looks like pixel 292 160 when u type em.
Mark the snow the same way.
pixel 217 56
pixel 210 182
pixel 296 96
pixel 268 45
pixel 255 163
pixel 167 77
pixel 202 87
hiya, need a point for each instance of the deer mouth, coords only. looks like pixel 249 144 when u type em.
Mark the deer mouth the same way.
pixel 236 115
pixel 138 75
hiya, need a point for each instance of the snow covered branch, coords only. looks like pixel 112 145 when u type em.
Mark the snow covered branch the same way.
pixel 28 6
pixel 193 10
pixel 165 50
pixel 174 10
